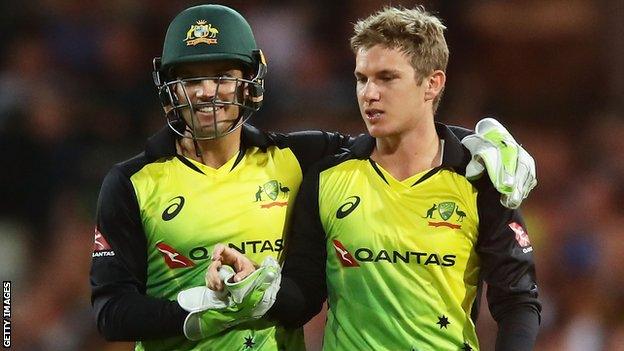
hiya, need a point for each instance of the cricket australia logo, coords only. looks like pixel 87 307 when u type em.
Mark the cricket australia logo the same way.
pixel 202 32
pixel 273 191
pixel 445 212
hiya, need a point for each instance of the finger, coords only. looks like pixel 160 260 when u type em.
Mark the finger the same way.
pixel 232 257
pixel 217 252
pixel 244 273
pixel 213 279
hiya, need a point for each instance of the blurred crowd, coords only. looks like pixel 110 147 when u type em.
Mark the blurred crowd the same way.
pixel 76 96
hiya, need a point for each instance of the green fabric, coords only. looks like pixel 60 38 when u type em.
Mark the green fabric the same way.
pixel 225 205
pixel 509 158
pixel 208 33
pixel 401 262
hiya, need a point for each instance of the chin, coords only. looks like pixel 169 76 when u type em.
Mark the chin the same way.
pixel 377 131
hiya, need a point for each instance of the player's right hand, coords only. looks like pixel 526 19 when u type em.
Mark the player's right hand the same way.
pixel 224 255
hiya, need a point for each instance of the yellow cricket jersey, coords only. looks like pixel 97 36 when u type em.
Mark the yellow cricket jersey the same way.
pixel 402 262
pixel 159 217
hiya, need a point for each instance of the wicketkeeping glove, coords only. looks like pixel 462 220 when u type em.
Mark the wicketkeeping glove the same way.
pixel 246 300
pixel 510 168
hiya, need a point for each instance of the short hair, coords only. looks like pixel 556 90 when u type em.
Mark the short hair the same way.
pixel 415 32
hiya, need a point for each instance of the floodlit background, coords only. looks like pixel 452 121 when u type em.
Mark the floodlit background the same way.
pixel 76 97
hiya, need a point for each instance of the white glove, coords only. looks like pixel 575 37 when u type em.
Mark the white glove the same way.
pixel 510 168
pixel 212 312
pixel 258 289
pixel 201 298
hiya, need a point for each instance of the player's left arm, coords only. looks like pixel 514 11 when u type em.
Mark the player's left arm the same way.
pixel 303 286
pixel 510 168
pixel 508 268
pixel 311 146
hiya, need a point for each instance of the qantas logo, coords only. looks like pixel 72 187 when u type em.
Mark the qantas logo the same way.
pixel 173 258
pixel 245 247
pixel 521 237
pixel 365 255
pixel 101 247
pixel 343 255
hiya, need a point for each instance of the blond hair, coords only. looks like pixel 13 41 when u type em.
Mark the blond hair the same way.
pixel 415 32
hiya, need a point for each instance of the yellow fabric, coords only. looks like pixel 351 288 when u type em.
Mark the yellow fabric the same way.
pixel 245 206
pixel 415 264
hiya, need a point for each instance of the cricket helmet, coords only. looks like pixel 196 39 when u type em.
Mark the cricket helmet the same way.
pixel 209 33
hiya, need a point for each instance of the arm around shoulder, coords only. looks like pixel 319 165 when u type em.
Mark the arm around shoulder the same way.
pixel 508 268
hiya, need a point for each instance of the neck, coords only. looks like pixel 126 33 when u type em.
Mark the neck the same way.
pixel 213 153
pixel 410 152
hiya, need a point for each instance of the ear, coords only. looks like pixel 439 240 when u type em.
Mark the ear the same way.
pixel 434 84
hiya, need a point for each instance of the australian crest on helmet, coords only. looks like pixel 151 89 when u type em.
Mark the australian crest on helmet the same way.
pixel 201 32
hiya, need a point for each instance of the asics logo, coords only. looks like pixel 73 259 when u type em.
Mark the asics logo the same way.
pixel 173 209
pixel 348 207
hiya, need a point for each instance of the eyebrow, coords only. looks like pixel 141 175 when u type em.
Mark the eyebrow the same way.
pixel 380 73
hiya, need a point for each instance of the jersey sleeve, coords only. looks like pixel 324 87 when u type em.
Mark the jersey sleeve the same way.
pixel 303 288
pixel 119 269
pixel 311 146
pixel 460 132
pixel 508 268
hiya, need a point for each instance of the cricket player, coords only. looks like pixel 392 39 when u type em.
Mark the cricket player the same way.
pixel 208 178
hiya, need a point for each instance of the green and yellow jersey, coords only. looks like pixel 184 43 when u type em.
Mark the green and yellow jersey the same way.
pixel 160 215
pixel 402 262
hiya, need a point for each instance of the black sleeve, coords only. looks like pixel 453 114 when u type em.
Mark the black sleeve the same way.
pixel 311 146
pixel 119 270
pixel 303 289
pixel 508 269
pixel 460 132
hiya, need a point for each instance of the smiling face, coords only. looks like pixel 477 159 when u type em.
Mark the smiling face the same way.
pixel 210 89
pixel 391 99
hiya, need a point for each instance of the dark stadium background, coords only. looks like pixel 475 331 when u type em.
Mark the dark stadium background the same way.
pixel 76 96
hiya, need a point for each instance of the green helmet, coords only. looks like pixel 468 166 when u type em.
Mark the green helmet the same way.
pixel 208 33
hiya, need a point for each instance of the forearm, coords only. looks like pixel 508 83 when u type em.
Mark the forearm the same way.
pixel 517 329
pixel 132 316
pixel 293 308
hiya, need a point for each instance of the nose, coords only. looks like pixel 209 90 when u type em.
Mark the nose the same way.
pixel 370 92
pixel 207 88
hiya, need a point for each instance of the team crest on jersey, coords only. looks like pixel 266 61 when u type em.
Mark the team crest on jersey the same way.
pixel 272 191
pixel 448 212
pixel 446 209
pixel 201 32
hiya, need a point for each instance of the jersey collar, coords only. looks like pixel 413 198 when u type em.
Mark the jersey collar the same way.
pixel 456 156
pixel 162 144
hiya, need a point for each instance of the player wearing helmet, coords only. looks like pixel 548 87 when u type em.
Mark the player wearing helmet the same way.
pixel 205 179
